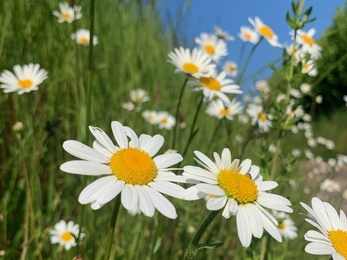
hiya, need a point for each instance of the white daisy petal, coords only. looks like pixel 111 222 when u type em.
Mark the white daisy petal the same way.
pixel 130 197
pixel 85 168
pixel 90 192
pixel 84 152
pixel 243 228
pixel 110 191
pixel 145 202
pixel 216 203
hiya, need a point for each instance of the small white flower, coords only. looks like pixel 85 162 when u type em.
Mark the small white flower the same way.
pixel 305 88
pixel 286 225
pixel 309 67
pixel 82 36
pixel 265 31
pixel 165 120
pixel 259 117
pixel 312 142
pixel 262 86
pixel 218 109
pixel 295 93
pixel 139 96
pixel 308 43
pixel 223 34
pixel 319 99
pixel 330 185
pixel 248 35
pixel 65 234
pixel 296 152
pixel 230 68
pixel 329 144
pixel 67 13
pixel 128 106
pixel 214 47
pixel 151 116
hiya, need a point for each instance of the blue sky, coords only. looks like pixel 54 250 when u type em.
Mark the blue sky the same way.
pixel 203 15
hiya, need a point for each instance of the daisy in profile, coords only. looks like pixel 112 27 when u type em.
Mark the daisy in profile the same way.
pixel 262 86
pixel 139 96
pixel 230 68
pixel 332 238
pixel 216 85
pixel 82 37
pixel 195 63
pixel 309 67
pixel 64 234
pixel 265 31
pixel 330 185
pixel 214 47
pixel 239 190
pixel 67 13
pixel 151 117
pixel 286 225
pixel 217 109
pixel 165 120
pixel 308 43
pixel 128 106
pixel 131 170
pixel 247 34
pixel 223 34
pixel 25 79
pixel 293 51
pixel 259 117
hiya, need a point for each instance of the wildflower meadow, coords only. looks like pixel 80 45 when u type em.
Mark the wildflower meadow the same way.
pixel 118 140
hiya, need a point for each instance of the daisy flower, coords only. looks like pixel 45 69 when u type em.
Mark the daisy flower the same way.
pixel 259 117
pixel 286 225
pixel 65 234
pixel 139 96
pixel 82 37
pixel 131 168
pixel 216 85
pixel 332 238
pixel 25 79
pixel 195 63
pixel 247 34
pixel 240 190
pixel 309 68
pixel 230 68
pixel 291 50
pixel 223 34
pixel 128 106
pixel 308 43
pixel 151 116
pixel 217 108
pixel 265 31
pixel 262 86
pixel 212 46
pixel 67 13
pixel 330 185
pixel 305 88
pixel 319 99
pixel 165 120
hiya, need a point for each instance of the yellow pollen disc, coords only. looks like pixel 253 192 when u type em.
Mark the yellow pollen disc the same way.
pixel 224 112
pixel 83 40
pixel 330 185
pixel 231 68
pixel 266 32
pixel 209 49
pixel 262 87
pixel 190 68
pixel 262 117
pixel 164 121
pixel 307 39
pixel 66 16
pixel 134 166
pixel 238 186
pixel 25 83
pixel 305 66
pixel 66 236
pixel 247 36
pixel 282 225
pixel 210 83
pixel 339 240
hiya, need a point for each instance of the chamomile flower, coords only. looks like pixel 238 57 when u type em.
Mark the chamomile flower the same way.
pixel 82 36
pixel 216 85
pixel 131 168
pixel 139 96
pixel 259 117
pixel 195 63
pixel 218 109
pixel 286 225
pixel 223 34
pixel 305 88
pixel 25 79
pixel 214 47
pixel 64 234
pixel 151 116
pixel 128 106
pixel 293 51
pixel 262 86
pixel 332 238
pixel 265 31
pixel 330 185
pixel 165 120
pixel 240 190
pixel 309 68
pixel 230 68
pixel 308 43
pixel 247 34
pixel 67 13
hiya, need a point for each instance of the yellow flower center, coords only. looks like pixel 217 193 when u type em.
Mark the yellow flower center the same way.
pixel 209 49
pixel 262 87
pixel 210 83
pixel 247 36
pixel 305 66
pixel 66 16
pixel 83 40
pixel 266 31
pixel 331 185
pixel 262 117
pixel 238 186
pixel 307 39
pixel 134 166
pixel 190 68
pixel 164 121
pixel 282 225
pixel 231 68
pixel 66 236
pixel 25 83
pixel 339 240
pixel 224 112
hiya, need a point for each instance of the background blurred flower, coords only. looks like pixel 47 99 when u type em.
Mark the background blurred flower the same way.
pixel 247 34
pixel 330 185
pixel 67 13
pixel 82 36
pixel 214 47
pixel 65 234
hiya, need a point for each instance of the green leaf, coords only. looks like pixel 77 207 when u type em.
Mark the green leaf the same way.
pixel 209 246
pixel 290 21
pixel 308 11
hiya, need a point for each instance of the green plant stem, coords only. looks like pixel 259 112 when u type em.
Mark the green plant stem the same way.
pixel 263 248
pixel 275 158
pixel 112 228
pixel 177 112
pixel 26 231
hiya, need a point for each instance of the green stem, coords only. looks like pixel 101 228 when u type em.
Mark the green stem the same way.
pixel 263 248
pixel 177 112
pixel 214 133
pixel 112 228
pixel 275 158
pixel 191 250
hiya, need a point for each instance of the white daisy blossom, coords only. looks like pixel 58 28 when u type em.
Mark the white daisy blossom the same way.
pixel 82 36
pixel 151 116
pixel 240 190
pixel 214 47
pixel 139 96
pixel 223 34
pixel 308 43
pixel 230 68
pixel 309 68
pixel 262 86
pixel 305 88
pixel 195 63
pixel 65 233
pixel 286 226
pixel 67 13
pixel 165 120
pixel 247 34
pixel 330 185
pixel 131 168
pixel 216 85
pixel 265 31
pixel 218 109
pixel 259 117
pixel 332 238
pixel 319 99
pixel 128 106
pixel 25 79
